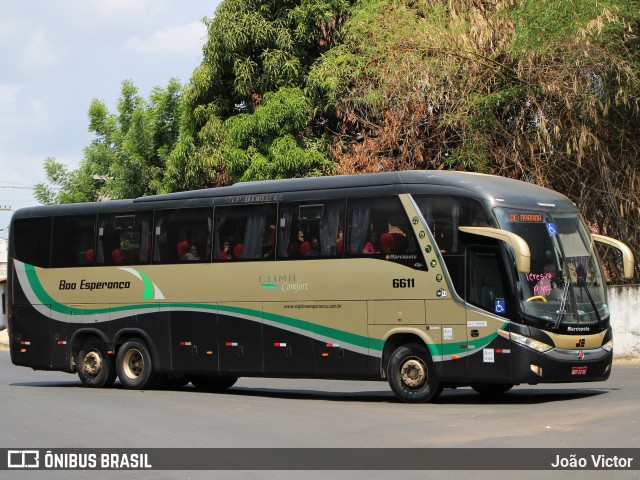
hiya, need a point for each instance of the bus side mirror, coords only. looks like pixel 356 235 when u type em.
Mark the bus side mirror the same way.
pixel 517 243
pixel 627 254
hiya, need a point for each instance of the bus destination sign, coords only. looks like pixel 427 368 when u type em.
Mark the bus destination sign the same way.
pixel 526 217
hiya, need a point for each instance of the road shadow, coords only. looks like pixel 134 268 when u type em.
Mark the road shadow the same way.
pixel 459 396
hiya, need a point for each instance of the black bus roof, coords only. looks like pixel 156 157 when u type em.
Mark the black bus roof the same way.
pixel 490 189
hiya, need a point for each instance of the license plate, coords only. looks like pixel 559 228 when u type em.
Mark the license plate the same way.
pixel 578 370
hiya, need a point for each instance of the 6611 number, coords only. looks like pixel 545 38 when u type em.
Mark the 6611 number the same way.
pixel 403 283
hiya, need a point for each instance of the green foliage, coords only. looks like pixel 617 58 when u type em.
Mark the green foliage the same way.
pixel 256 60
pixel 128 156
pixel 64 186
pixel 544 25
pixel 263 144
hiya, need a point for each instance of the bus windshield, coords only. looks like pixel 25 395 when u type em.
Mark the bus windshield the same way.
pixel 565 285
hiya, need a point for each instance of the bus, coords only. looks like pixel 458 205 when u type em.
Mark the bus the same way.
pixel 426 279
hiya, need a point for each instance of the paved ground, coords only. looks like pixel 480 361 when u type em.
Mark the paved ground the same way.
pixel 52 410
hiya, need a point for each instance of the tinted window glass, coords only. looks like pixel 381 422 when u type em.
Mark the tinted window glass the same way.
pixel 379 227
pixel 311 229
pixel 484 280
pixel 31 240
pixel 73 241
pixel 444 214
pixel 182 235
pixel 124 238
pixel 246 232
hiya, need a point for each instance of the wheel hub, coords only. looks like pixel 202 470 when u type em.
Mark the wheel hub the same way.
pixel 92 363
pixel 133 363
pixel 413 373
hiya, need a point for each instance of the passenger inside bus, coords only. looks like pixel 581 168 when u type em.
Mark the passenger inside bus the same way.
pixel 183 249
pixel 372 245
pixel 192 255
pixel 225 252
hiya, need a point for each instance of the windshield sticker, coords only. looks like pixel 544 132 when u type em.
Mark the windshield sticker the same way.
pixel 551 227
pixel 499 306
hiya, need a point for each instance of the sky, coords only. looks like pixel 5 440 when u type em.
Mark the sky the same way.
pixel 57 56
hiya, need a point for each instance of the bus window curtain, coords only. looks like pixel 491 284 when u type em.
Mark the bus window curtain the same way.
pixel 221 218
pixel 329 225
pixel 254 233
pixel 207 254
pixel 100 246
pixel 455 219
pixel 157 258
pixel 358 226
pixel 145 240
pixel 284 231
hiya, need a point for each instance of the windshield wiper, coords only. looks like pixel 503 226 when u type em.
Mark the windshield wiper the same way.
pixel 582 283
pixel 563 303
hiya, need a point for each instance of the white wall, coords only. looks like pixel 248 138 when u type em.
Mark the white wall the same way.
pixel 624 303
pixel 3 257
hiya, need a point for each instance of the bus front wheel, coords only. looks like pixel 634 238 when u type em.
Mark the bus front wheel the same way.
pixel 412 375
pixel 134 366
pixel 95 367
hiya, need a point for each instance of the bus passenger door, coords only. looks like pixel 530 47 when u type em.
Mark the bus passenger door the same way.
pixel 489 357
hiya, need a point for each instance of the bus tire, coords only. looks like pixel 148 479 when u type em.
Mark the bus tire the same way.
pixel 213 384
pixel 412 375
pixel 492 389
pixel 95 367
pixel 134 366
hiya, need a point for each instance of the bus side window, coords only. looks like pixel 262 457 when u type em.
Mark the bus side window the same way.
pixel 32 240
pixel 182 235
pixel 245 232
pixel 379 227
pixel 445 213
pixel 73 241
pixel 311 229
pixel 124 238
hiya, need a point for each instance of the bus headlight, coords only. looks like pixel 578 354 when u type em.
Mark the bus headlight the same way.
pixel 526 341
pixel 608 346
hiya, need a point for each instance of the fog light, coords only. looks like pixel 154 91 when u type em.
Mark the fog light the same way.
pixel 536 369
pixel 606 370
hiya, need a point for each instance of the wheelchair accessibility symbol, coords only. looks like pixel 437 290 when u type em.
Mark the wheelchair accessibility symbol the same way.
pixel 551 227
pixel 499 306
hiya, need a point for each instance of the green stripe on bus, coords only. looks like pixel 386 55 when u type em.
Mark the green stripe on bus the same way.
pixel 339 335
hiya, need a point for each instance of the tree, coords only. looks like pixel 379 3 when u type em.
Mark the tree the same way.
pixel 254 48
pixel 128 155
pixel 541 90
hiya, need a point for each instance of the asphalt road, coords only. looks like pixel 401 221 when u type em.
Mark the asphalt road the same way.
pixel 53 410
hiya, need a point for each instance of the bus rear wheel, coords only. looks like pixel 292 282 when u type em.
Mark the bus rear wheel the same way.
pixel 96 368
pixel 412 374
pixel 134 366
pixel 492 389
pixel 213 384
